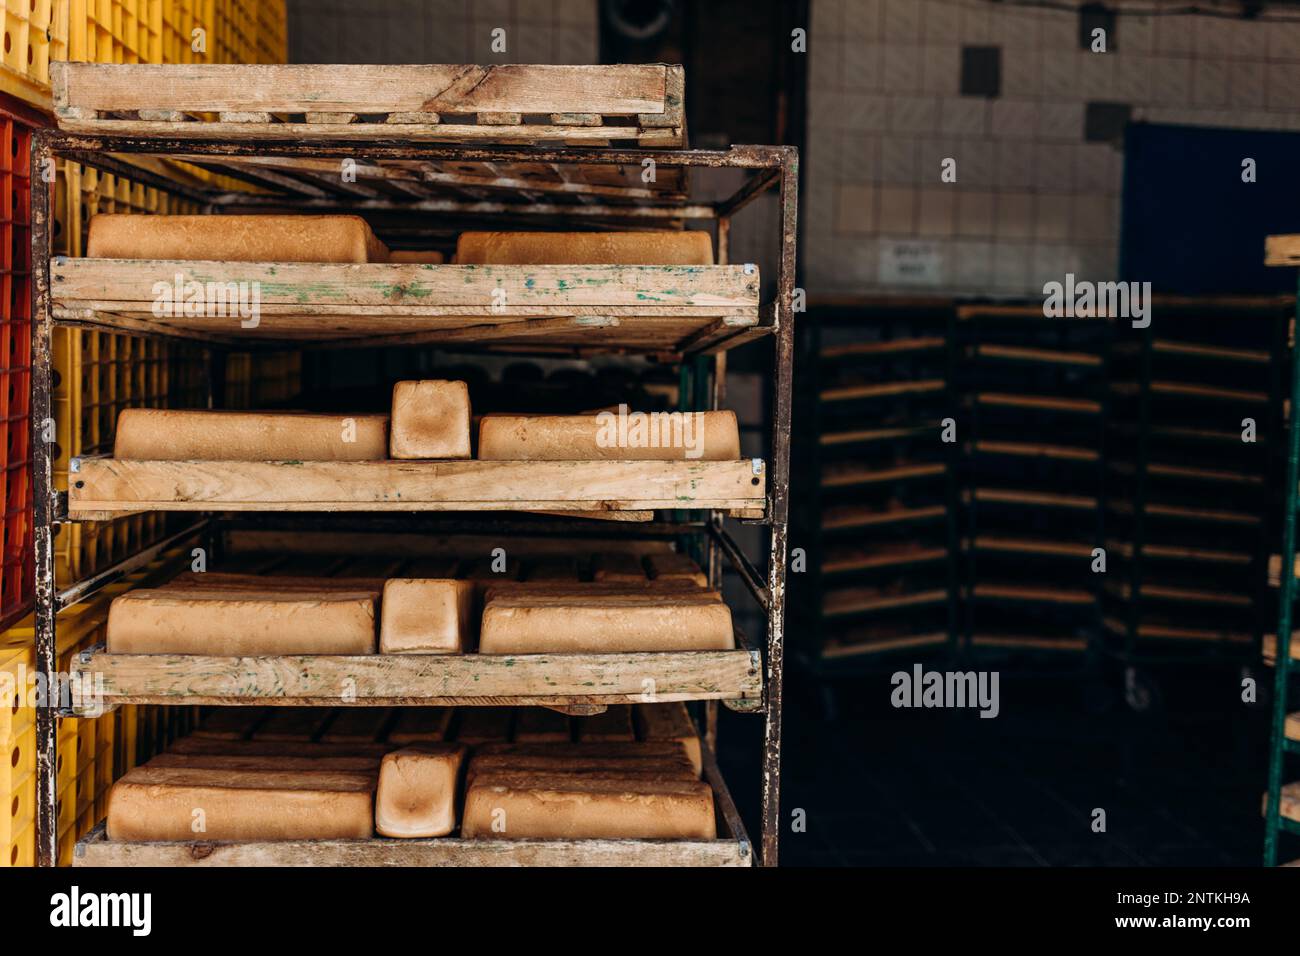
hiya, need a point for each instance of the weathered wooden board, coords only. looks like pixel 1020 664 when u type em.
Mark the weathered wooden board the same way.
pixel 646 308
pixel 731 848
pixel 411 679
pixel 105 485
pixel 577 104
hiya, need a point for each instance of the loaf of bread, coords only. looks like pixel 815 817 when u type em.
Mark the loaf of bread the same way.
pixel 619 567
pixel 423 256
pixel 659 768
pixel 417 791
pixel 234 238
pixel 655 436
pixel 159 434
pixel 670 722
pixel 672 566
pixel 298 747
pixel 186 804
pixel 561 567
pixel 426 616
pixel 537 624
pixel 431 420
pixel 241 623
pixel 560 807
pixel 227 581
pixel 282 763
pixel 644 248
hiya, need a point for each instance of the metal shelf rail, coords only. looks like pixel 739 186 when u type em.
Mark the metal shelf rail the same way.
pixel 1282 809
pixel 586 201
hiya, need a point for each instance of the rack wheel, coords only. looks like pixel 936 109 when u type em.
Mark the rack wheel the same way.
pixel 1141 691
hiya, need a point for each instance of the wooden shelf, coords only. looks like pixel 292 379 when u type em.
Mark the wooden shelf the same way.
pixel 105 487
pixel 844 517
pixel 838 649
pixel 1046 403
pixel 731 848
pixel 841 602
pixel 1016 353
pixel 1029 642
pixel 1039 546
pixel 1025 449
pixel 556 680
pixel 890 347
pixel 587 308
pixel 844 560
pixel 587 105
pixel 846 474
pixel 849 393
pixel 1031 594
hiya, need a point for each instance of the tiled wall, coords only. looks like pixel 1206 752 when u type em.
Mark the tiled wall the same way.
pixel 1033 199
pixel 442 31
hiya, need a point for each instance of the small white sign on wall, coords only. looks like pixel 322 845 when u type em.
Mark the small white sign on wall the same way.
pixel 905 262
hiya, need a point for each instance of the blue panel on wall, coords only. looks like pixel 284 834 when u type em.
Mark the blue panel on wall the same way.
pixel 1190 225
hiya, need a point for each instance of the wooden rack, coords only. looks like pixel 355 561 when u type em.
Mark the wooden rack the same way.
pixel 126 118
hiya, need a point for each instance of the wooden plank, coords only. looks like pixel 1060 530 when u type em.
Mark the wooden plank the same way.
pixel 732 848
pixel 300 284
pixel 618 90
pixel 1282 250
pixel 410 679
pixel 1050 356
pixel 110 485
pixel 844 393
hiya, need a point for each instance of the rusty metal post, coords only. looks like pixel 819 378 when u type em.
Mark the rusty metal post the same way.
pixel 43 495
pixel 779 502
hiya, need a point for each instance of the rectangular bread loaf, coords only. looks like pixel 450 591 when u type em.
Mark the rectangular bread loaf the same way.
pixel 617 567
pixel 180 804
pixel 430 420
pixel 301 747
pixel 231 723
pixel 565 625
pixel 560 808
pixel 158 434
pixel 234 238
pixel 417 791
pixel 482 725
pixel 675 567
pixel 670 721
pixel 356 725
pixel 241 623
pixel 293 724
pixel 282 763
pixel 659 436
pixel 226 581
pixel 643 248
pixel 426 616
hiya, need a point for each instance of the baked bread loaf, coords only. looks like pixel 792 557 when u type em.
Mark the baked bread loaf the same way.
pixel 417 791
pixel 234 238
pixel 558 624
pixel 426 616
pixel 643 248
pixel 655 436
pixel 158 434
pixel 241 623
pixel 187 804
pixel 670 722
pixel 431 420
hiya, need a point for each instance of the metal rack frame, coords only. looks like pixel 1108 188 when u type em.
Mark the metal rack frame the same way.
pixel 771 167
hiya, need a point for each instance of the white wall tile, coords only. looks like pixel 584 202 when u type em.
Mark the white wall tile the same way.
pixel 938 210
pixel 975 212
pixel 1061 121
pixel 1051 217
pixel 1171 80
pixel 902 21
pixel 865 111
pixel 972 265
pixel 941 69
pixel 859 157
pixel 1054 167
pixel 1246 84
pixel 1011 266
pixel 1014 215
pixel 898 161
pixel 1015 164
pixel 862 66
pixel 901 68
pixel 861 19
pixel 914 114
pixel 1022 70
pixel 1210 84
pixel 1174 36
pixel 1014 119
pixel 856 210
pixel 897 210
pixel 1136 34
pixel 963 115
pixel 825 65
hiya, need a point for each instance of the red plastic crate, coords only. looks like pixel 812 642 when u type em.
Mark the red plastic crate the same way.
pixel 15 369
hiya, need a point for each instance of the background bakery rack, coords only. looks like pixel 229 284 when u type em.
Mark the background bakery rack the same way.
pixel 697 313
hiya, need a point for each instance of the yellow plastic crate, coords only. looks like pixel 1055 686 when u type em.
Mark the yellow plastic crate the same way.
pixel 18 812
pixel 22 848
pixel 35 32
pixel 115 31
